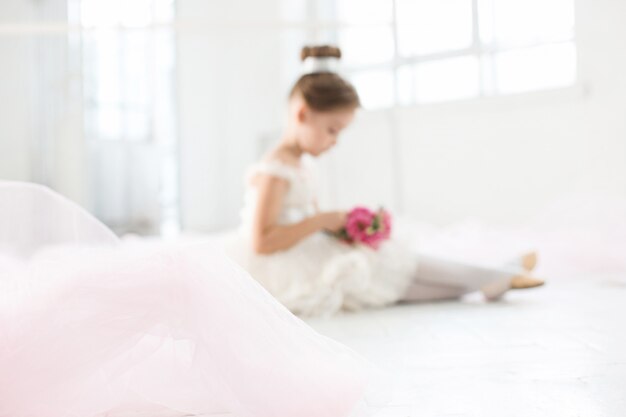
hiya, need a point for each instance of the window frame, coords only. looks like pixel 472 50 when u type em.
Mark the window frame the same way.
pixel 482 51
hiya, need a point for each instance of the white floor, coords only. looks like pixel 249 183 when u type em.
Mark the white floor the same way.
pixel 558 351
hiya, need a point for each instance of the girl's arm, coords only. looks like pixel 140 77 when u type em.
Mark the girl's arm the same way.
pixel 268 236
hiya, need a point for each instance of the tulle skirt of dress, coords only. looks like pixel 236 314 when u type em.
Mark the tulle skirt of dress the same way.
pixel 322 275
pixel 90 327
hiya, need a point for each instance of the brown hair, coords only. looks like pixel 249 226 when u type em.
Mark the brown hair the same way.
pixel 325 91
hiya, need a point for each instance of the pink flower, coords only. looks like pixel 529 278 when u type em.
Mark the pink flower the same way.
pixel 367 227
pixel 358 221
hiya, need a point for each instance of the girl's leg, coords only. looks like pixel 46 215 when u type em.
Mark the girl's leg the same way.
pixel 438 278
pixel 424 291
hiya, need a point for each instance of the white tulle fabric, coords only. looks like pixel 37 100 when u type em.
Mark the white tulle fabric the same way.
pixel 92 327
pixel 320 275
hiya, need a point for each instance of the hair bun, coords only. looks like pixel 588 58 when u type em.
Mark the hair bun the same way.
pixel 322 51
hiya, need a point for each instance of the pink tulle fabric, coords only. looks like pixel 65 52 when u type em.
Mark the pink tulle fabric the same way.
pixel 92 327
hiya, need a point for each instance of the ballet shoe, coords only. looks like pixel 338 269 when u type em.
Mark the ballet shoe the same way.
pixel 522 282
pixel 529 261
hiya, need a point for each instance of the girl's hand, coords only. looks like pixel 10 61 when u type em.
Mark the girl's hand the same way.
pixel 333 221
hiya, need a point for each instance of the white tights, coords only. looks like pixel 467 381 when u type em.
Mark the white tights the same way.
pixel 443 279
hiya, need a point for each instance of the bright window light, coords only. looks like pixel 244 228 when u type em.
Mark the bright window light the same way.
pixel 375 88
pixel 543 67
pixel 442 50
pixel 427 26
pixel 128 64
pixel 129 13
pixel 365 11
pixel 364 45
pixel 448 79
pixel 509 23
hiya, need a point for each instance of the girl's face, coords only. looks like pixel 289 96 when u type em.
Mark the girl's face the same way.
pixel 318 131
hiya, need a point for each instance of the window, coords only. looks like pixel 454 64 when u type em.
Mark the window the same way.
pixel 425 51
pixel 128 67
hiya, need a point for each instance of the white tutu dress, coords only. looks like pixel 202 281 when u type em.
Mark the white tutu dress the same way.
pixel 92 327
pixel 320 275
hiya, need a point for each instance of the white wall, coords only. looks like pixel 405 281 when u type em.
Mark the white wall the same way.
pixel 504 159
pixel 228 80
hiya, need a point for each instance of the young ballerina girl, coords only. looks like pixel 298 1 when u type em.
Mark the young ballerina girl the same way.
pixel 282 243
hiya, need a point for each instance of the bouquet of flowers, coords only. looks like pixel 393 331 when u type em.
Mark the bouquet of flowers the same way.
pixel 366 227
